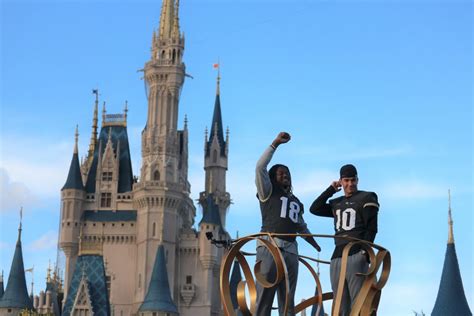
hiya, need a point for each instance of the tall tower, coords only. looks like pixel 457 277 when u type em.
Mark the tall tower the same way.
pixel 161 197
pixel 451 299
pixel 216 151
pixel 72 200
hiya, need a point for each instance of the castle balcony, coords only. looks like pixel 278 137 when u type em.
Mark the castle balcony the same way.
pixel 187 293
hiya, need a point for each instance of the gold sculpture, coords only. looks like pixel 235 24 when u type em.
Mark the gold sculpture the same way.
pixel 366 302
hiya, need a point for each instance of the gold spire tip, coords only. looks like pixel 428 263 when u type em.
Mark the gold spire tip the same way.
pixel 450 221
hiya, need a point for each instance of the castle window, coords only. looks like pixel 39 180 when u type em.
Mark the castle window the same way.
pixel 107 176
pixel 189 279
pixel 156 176
pixel 139 280
pixel 106 199
pixel 154 230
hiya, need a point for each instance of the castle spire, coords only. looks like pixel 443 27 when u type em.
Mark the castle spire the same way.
pixel 450 221
pixel 166 19
pixel 74 178
pixel 451 299
pixel 216 125
pixel 95 120
pixel 16 293
pixel 158 297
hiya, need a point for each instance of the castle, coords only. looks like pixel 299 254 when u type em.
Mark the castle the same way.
pixel 138 232
pixel 129 241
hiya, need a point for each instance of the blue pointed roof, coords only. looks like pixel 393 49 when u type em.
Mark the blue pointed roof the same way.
pixel 74 178
pixel 451 299
pixel 16 293
pixel 314 309
pixel 216 128
pixel 118 135
pixel 235 278
pixel 92 267
pixel 210 213
pixel 158 297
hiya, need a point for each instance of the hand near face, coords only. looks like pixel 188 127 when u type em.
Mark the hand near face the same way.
pixel 337 185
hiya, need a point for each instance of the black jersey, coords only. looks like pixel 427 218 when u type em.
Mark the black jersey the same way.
pixel 281 213
pixel 354 216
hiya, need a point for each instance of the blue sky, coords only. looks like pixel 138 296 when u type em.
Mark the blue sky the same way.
pixel 386 85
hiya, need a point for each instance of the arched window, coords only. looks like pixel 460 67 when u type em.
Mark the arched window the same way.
pixel 156 176
pixel 154 230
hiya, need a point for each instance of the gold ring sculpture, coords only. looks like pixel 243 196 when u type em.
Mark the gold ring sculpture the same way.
pixel 366 302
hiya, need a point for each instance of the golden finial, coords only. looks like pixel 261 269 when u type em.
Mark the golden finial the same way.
pixel 450 220
pixel 125 111
pixel 218 66
pixel 76 139
pixel 21 220
pixel 95 120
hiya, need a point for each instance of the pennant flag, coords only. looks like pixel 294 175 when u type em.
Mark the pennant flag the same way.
pixel 215 66
pixel 30 270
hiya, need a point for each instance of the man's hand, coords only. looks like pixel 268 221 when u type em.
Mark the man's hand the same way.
pixel 282 137
pixel 336 185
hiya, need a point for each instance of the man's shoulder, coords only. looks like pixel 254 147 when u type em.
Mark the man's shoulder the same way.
pixel 367 197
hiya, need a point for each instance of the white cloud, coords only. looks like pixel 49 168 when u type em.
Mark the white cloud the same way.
pixel 14 194
pixel 47 241
pixel 40 165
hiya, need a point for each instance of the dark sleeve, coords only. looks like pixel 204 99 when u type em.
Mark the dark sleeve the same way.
pixel 320 207
pixel 371 209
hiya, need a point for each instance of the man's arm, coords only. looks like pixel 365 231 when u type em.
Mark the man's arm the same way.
pixel 371 210
pixel 320 207
pixel 262 178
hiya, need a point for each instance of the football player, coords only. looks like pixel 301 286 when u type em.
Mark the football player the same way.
pixel 355 215
pixel 282 212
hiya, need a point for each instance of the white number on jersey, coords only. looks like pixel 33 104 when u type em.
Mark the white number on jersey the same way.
pixel 294 209
pixel 347 220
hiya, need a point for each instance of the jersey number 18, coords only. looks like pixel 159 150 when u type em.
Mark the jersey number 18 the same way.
pixel 294 209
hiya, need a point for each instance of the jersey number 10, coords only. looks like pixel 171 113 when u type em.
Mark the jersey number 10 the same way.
pixel 347 220
pixel 293 211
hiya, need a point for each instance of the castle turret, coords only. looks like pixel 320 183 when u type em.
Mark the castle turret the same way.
pixel 15 298
pixel 72 200
pixel 216 150
pixel 158 298
pixel 162 196
pixel 451 299
pixel 209 254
